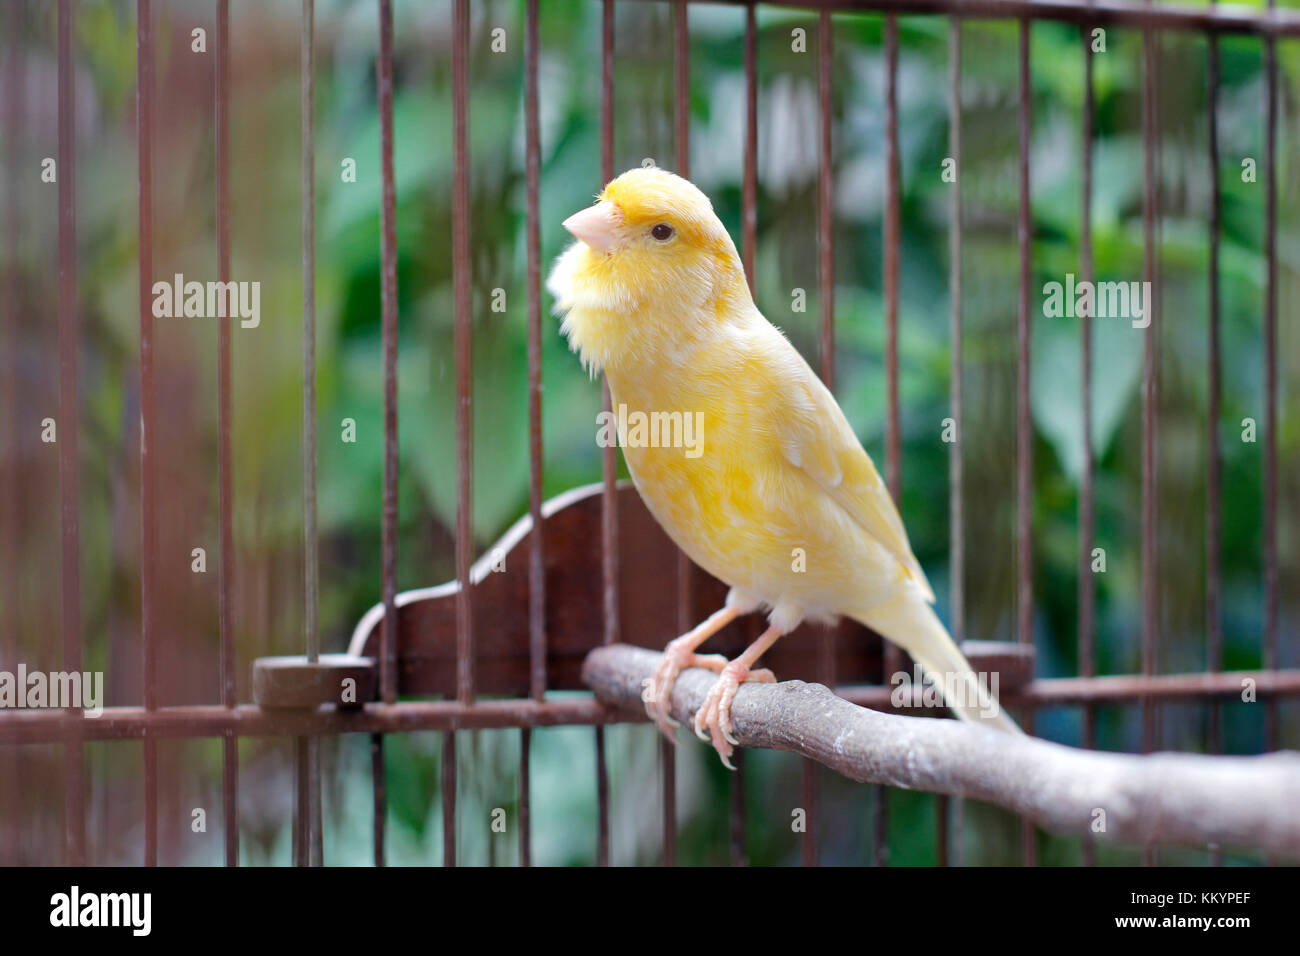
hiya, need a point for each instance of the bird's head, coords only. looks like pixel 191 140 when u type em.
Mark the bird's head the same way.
pixel 653 266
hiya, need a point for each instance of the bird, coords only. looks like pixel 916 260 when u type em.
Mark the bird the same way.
pixel 780 500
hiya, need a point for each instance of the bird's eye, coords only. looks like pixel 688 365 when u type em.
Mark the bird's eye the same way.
pixel 663 232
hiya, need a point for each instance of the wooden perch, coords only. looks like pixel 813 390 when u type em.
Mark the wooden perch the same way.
pixel 1153 799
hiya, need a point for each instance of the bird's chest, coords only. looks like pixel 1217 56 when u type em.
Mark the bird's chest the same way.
pixel 691 453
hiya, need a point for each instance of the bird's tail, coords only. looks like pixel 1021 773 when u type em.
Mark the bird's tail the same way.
pixel 912 624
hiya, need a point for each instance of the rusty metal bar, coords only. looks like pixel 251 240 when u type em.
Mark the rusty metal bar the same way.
pixel 525 801
pixel 893 431
pixel 311 557
pixel 74 784
pixel 148 432
pixel 449 771
pixel 225 501
pixel 461 266
pixel 537 548
pixel 249 720
pixel 749 188
pixel 537 551
pixel 810 771
pixel 749 244
pixel 15 89
pixel 682 145
pixel 1150 579
pixel 609 457
pixel 1024 421
pixel 1270 377
pixel 380 804
pixel 1087 662
pixel 1214 457
pixel 388 310
pixel 309 750
pixel 950 849
pixel 893 656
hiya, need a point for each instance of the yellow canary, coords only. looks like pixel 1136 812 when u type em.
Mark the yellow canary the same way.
pixel 777 499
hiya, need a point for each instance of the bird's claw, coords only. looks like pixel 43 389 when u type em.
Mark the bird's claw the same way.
pixel 658 690
pixel 713 720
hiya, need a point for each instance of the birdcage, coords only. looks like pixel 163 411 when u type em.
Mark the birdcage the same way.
pixel 502 646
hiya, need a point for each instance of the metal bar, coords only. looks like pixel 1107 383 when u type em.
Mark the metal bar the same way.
pixel 74 785
pixel 609 458
pixel 537 551
pixel 749 195
pixel 302 817
pixel 388 309
pixel 148 434
pixel 1150 579
pixel 1214 457
pixel 225 501
pixel 461 266
pixel 249 720
pixel 749 244
pixel 1087 587
pixel 950 836
pixel 892 656
pixel 525 804
pixel 825 214
pixel 537 548
pixel 1024 423
pixel 311 752
pixel 682 145
pixel 1219 19
pixel 449 796
pixel 311 557
pixel 893 436
pixel 810 772
pixel 15 89
pixel 1270 379
pixel 379 792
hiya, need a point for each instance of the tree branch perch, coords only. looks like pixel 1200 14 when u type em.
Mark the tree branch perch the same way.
pixel 1152 799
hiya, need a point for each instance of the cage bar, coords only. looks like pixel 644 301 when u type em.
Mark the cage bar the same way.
pixel 950 812
pixel 74 799
pixel 1270 376
pixel 1087 587
pixel 892 656
pixel 148 432
pixel 537 547
pixel 308 750
pixel 225 502
pixel 682 147
pixel 14 95
pixel 609 456
pixel 388 320
pixel 1024 419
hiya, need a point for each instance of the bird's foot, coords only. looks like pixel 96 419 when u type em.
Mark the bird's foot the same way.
pixel 713 719
pixel 658 690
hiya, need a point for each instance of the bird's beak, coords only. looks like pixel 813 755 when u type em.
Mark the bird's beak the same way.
pixel 597 225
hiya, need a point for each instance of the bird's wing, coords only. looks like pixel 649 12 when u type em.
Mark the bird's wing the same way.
pixel 817 438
